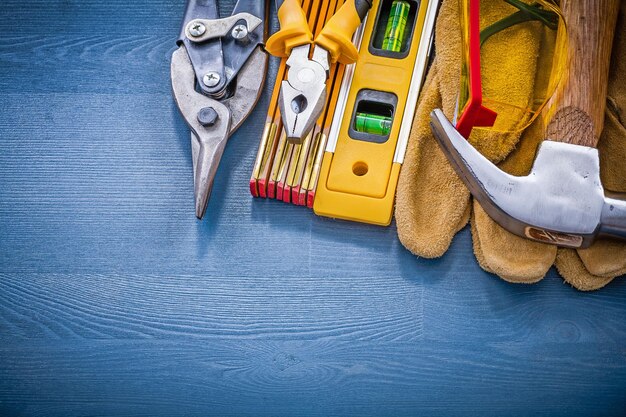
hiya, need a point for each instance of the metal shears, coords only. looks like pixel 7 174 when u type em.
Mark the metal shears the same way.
pixel 217 74
pixel 303 93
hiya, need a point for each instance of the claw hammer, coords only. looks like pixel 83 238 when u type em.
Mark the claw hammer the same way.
pixel 562 200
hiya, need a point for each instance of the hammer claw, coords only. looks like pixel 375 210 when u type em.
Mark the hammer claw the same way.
pixel 487 183
pixel 561 201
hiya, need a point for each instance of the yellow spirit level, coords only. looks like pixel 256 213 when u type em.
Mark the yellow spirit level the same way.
pixel 370 129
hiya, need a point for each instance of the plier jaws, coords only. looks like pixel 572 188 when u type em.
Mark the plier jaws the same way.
pixel 303 93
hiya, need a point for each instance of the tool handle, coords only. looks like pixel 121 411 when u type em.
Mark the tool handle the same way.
pixel 579 117
pixel 294 29
pixel 336 37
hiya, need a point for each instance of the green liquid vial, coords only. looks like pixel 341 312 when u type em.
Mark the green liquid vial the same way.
pixel 373 124
pixel 396 26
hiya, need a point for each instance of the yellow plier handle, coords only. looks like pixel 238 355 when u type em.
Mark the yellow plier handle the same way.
pixel 294 29
pixel 336 37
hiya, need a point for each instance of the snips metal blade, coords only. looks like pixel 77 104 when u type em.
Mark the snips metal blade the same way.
pixel 217 75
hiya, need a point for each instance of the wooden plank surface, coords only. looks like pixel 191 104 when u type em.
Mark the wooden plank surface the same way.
pixel 115 300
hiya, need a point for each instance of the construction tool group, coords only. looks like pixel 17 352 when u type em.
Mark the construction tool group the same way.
pixel 355 130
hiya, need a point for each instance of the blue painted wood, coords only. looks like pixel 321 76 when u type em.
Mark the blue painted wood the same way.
pixel 114 300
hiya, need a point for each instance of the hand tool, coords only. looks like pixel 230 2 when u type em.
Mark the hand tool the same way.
pixel 303 94
pixel 400 34
pixel 271 148
pixel 294 190
pixel 284 170
pixel 217 75
pixel 366 145
pixel 562 201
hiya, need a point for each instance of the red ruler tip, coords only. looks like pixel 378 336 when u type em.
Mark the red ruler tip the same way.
pixel 253 188
pixel 295 192
pixel 310 199
pixel 271 189
pixel 287 194
pixel 262 187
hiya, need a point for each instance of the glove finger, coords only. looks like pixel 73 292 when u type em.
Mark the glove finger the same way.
pixel 478 250
pixel 571 268
pixel 448 51
pixel 498 251
pixel 432 202
pixel 606 258
pixel 512 258
pixel 465 218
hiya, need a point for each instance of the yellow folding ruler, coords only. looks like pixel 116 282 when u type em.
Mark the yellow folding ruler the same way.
pixel 348 167
pixel 286 171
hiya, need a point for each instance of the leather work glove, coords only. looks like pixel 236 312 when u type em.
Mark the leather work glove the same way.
pixel 432 202
pixel 505 254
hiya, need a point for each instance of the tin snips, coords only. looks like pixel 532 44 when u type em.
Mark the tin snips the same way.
pixel 217 73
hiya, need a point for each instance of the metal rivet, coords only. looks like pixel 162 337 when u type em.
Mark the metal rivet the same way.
pixel 211 79
pixel 196 29
pixel 239 32
pixel 207 116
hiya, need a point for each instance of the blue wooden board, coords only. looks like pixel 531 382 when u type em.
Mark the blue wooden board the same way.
pixel 115 300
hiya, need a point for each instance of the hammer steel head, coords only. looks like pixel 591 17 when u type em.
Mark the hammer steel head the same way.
pixel 561 201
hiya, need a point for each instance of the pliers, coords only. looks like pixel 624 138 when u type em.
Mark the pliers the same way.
pixel 217 74
pixel 303 93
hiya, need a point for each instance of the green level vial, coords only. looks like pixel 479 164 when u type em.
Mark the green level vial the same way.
pixel 373 124
pixel 396 26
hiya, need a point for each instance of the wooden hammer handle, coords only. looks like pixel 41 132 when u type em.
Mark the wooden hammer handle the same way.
pixel 579 116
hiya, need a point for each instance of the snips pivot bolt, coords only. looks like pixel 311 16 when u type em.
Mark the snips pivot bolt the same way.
pixel 239 32
pixel 196 29
pixel 211 79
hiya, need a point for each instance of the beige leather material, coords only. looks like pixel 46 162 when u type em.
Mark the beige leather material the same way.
pixel 432 203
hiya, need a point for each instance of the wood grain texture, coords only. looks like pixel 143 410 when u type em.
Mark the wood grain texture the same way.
pixel 316 378
pixel 579 117
pixel 115 300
